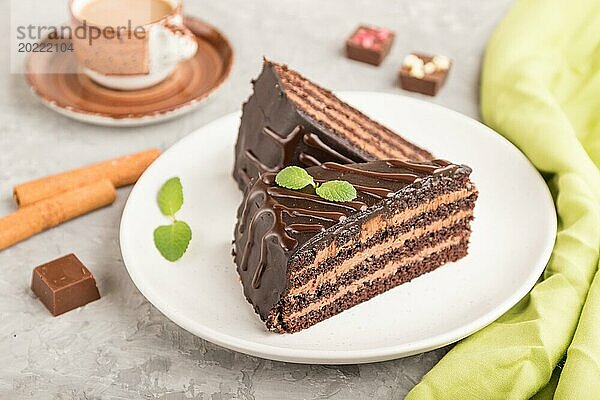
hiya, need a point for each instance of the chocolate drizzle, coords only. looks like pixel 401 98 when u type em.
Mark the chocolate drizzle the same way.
pixel 279 229
pixel 377 192
pixel 291 194
pixel 388 176
pixel 312 140
pixel 427 168
pixel 261 168
pixel 298 228
pixel 287 145
pixel 436 167
pixel 308 160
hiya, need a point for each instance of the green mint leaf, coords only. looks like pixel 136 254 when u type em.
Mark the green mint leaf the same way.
pixel 294 178
pixel 170 197
pixel 337 191
pixel 172 240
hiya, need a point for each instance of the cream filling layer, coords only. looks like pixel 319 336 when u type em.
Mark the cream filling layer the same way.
pixel 296 86
pixel 349 131
pixel 377 223
pixel 380 248
pixel 388 270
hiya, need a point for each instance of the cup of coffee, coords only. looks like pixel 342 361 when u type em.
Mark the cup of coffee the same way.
pixel 130 44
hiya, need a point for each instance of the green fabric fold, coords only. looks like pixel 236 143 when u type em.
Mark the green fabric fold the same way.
pixel 541 90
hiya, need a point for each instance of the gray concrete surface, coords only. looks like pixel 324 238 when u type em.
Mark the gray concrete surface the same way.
pixel 121 347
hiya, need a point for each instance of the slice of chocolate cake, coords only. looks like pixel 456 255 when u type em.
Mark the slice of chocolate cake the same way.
pixel 303 259
pixel 290 120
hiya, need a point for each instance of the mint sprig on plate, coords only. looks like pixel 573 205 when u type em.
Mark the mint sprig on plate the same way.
pixel 172 240
pixel 296 178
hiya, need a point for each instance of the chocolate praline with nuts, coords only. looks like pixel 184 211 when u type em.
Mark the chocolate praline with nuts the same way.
pixel 424 73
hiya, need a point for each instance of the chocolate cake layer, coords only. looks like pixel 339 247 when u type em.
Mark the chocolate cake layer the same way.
pixel 290 120
pixel 297 252
pixel 406 254
pixel 406 274
pixel 382 267
pixel 425 224
pixel 333 268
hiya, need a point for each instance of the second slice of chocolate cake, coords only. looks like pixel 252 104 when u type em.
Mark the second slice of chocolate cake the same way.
pixel 290 120
pixel 303 259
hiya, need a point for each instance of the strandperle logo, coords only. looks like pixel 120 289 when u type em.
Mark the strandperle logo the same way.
pixel 84 31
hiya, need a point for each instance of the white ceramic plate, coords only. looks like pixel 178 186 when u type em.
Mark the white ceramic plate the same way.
pixel 513 235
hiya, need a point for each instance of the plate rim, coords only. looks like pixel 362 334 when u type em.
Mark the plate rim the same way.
pixel 377 354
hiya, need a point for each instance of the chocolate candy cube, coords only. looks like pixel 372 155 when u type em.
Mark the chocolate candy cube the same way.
pixel 423 73
pixel 369 44
pixel 64 284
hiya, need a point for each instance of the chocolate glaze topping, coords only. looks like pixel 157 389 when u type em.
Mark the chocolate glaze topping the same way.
pixel 275 133
pixel 388 176
pixel 275 224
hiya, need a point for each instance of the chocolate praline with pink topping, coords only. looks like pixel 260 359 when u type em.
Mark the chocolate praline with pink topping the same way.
pixel 369 44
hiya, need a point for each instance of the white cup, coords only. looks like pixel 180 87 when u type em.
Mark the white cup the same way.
pixel 131 57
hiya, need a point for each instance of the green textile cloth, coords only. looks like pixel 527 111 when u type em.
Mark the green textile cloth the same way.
pixel 540 88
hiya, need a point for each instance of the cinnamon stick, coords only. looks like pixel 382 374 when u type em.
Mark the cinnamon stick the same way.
pixel 121 171
pixel 47 213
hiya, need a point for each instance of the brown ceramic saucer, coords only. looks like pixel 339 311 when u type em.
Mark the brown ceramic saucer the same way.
pixel 78 97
